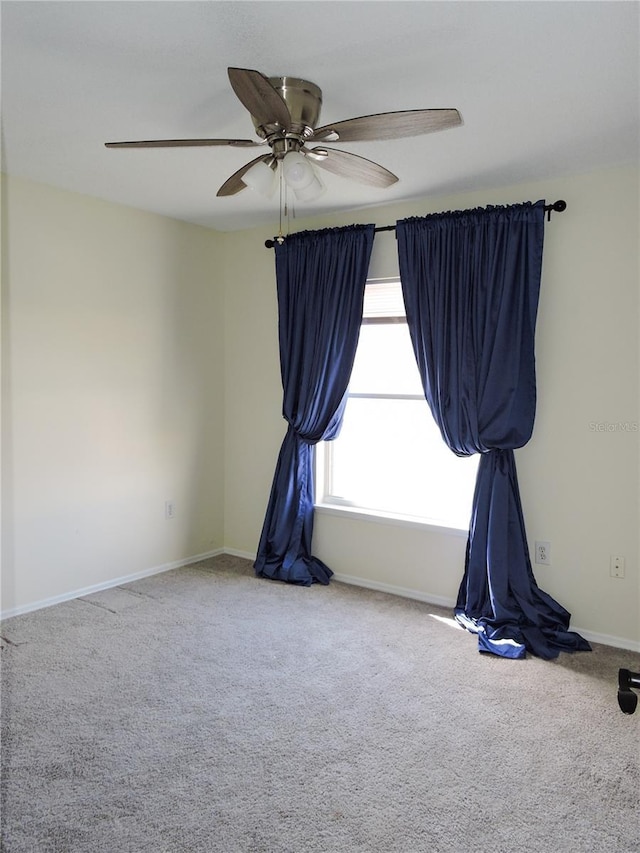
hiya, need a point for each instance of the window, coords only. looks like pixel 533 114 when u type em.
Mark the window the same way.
pixel 390 458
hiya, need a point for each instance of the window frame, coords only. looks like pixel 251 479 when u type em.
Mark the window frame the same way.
pixel 329 504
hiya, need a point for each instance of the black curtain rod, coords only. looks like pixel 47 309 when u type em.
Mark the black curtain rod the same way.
pixel 556 207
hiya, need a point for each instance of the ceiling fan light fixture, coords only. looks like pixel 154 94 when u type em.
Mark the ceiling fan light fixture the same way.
pixel 261 178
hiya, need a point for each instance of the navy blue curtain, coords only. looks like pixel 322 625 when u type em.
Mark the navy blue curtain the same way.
pixel 471 283
pixel 321 277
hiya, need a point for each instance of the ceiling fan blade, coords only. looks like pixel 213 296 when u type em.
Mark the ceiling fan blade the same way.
pixel 183 143
pixel 394 125
pixel 352 166
pixel 234 184
pixel 258 95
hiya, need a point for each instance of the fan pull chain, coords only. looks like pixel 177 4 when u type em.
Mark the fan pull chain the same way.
pixel 283 202
pixel 280 234
pixel 287 208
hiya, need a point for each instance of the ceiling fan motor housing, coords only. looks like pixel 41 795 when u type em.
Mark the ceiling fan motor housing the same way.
pixel 304 101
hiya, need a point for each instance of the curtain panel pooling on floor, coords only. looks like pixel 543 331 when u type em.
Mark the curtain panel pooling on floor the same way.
pixel 471 283
pixel 321 277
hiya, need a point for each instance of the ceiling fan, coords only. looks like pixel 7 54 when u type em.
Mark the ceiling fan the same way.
pixel 285 112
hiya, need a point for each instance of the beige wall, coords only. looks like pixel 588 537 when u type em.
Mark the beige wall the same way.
pixel 579 486
pixel 113 389
pixel 141 364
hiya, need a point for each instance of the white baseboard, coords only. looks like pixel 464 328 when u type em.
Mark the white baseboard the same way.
pixel 98 587
pixel 402 591
pixel 379 586
pixel 246 555
pixel 608 639
pixel 442 601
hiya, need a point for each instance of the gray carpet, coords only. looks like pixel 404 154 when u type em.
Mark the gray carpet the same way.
pixel 205 710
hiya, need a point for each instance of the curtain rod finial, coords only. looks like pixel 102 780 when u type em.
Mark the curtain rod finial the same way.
pixel 557 207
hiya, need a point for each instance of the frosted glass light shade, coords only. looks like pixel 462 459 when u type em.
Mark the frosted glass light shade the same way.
pixel 300 176
pixel 312 191
pixel 261 178
pixel 298 172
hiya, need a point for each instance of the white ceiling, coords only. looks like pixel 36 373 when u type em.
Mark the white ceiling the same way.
pixel 545 89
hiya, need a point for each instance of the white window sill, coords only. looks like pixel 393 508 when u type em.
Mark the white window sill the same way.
pixel 378 517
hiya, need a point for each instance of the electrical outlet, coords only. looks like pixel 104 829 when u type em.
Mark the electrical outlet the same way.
pixel 616 566
pixel 169 509
pixel 543 553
